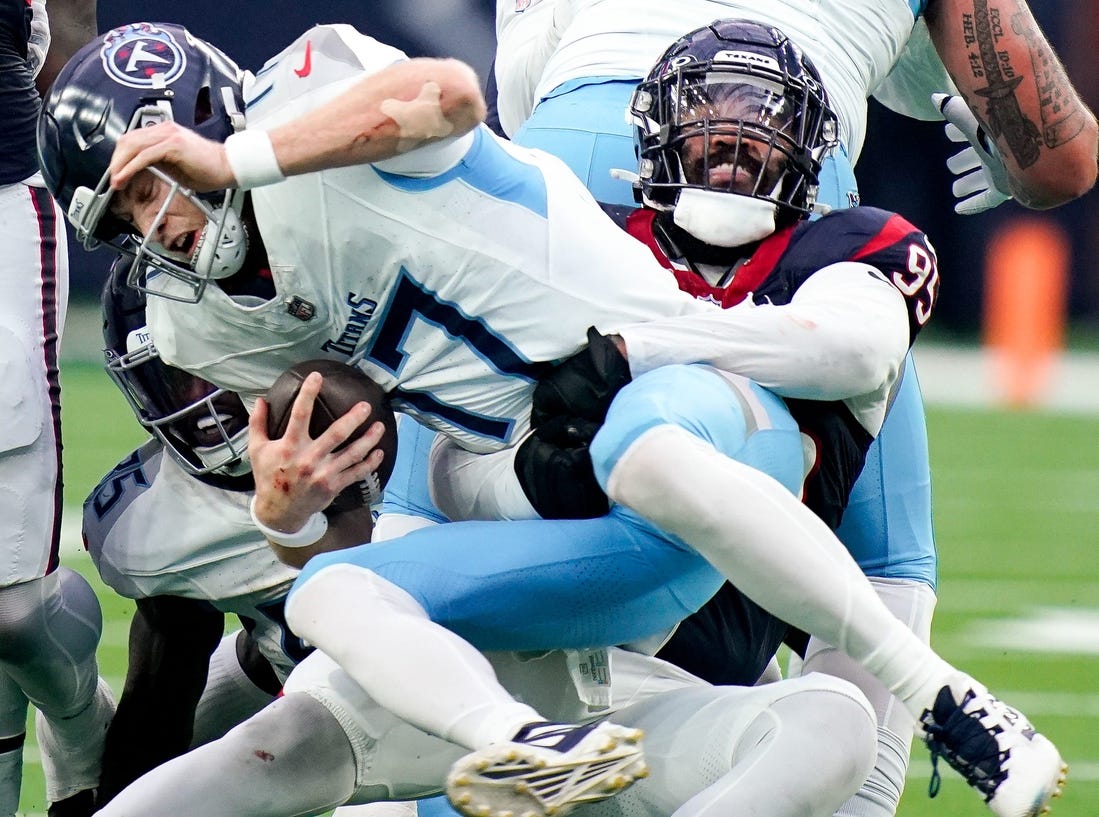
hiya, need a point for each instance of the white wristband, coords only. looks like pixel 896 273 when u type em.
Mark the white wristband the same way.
pixel 311 533
pixel 252 159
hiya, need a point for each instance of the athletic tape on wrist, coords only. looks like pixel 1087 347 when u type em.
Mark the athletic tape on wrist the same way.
pixel 252 159
pixel 311 533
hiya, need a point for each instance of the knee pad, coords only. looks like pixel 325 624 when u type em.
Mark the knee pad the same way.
pixel 59 611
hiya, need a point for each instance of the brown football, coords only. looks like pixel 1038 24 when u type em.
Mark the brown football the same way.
pixel 343 387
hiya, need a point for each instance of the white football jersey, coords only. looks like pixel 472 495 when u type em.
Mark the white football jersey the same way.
pixel 449 273
pixel 154 530
pixel 853 43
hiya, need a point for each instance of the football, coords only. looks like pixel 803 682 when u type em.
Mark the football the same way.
pixel 343 387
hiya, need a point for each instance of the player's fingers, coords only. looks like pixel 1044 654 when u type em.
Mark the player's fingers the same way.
pixel 958 114
pixel 954 134
pixel 362 448
pixel 363 469
pixel 297 426
pixel 133 142
pixel 980 203
pixel 141 149
pixel 968 185
pixel 342 428
pixel 257 423
pixel 963 161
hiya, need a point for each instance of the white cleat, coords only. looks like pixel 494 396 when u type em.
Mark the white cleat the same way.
pixel 547 769
pixel 996 750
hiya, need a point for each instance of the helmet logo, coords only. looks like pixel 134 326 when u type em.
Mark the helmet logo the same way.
pixel 142 55
pixel 138 338
pixel 747 58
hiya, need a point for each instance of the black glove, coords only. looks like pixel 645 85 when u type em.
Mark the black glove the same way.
pixel 582 386
pixel 554 467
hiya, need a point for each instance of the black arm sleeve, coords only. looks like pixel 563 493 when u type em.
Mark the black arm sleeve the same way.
pixel 171 641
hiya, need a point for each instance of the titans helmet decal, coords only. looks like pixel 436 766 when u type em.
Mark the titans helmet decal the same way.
pixel 141 55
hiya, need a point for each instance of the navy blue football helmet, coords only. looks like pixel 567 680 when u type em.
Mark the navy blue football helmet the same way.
pixel 134 76
pixel 735 108
pixel 202 427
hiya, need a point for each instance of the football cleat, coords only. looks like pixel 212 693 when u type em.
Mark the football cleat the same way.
pixel 996 750
pixel 547 769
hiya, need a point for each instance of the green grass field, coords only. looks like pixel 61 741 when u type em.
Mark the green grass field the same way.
pixel 1017 518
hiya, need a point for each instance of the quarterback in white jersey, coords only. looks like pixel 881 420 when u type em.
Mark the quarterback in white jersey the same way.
pixel 384 263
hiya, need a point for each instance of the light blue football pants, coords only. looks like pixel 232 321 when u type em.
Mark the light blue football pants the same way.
pixel 541 584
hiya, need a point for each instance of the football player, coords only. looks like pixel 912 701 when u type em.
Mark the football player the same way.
pixel 560 64
pixel 185 583
pixel 566 72
pixel 169 527
pixel 414 325
pixel 50 620
pixel 793 748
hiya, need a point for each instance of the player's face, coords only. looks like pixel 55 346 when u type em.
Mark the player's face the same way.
pixel 176 233
pixel 724 161
pixel 729 157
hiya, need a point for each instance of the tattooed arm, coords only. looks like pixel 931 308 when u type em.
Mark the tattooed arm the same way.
pixel 1016 86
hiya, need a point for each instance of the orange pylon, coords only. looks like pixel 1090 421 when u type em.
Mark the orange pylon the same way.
pixel 1026 288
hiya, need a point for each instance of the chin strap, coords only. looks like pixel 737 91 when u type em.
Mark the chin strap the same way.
pixel 724 219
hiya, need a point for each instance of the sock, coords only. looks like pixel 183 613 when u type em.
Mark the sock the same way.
pixel 71 748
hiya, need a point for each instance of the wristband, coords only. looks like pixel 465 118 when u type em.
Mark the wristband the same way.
pixel 311 533
pixel 252 159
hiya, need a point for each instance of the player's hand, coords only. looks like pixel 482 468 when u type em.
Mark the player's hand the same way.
pixel 192 160
pixel 981 181
pixel 583 385
pixel 555 470
pixel 295 475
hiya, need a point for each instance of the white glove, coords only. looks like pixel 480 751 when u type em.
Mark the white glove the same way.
pixel 39 42
pixel 982 178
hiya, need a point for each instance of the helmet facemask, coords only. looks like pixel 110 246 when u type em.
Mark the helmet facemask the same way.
pixel 203 428
pixel 218 252
pixel 732 143
pixel 133 76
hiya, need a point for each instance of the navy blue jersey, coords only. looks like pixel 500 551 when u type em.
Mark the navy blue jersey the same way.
pixel 18 98
pixel 729 639
pixel 868 235
pixel 783 262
